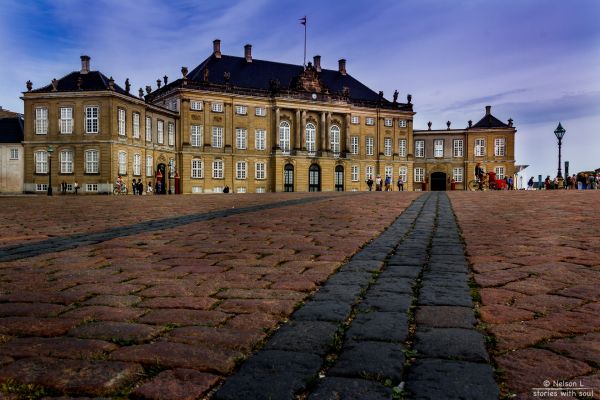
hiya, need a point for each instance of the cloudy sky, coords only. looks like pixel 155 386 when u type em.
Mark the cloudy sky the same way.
pixel 536 61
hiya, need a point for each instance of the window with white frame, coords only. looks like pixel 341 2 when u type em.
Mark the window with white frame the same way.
pixel 370 121
pixel 197 189
pixel 66 162
pixel 369 145
pixel 41 187
pixel 438 148
pixel 260 139
pixel 369 172
pixel 260 111
pixel 334 138
pixel 196 135
pixel 355 173
pixel 311 134
pixel 402 147
pixel 217 189
pixel 66 120
pixel 284 136
pixel 91 119
pixel 240 190
pixel 216 107
pixel 387 146
pixel 499 147
pixel 197 168
pixel 355 119
pixel 480 147
pixel 241 110
pixel 217 169
pixel 41 121
pixel 217 136
pixel 457 174
pixel 41 162
pixel 403 173
pixel 136 125
pixel 241 139
pixel 419 148
pixel 260 190
pixel 196 105
pixel 148 129
pixel 137 164
pixel 122 162
pixel 402 123
pixel 91 187
pixel 172 168
pixel 499 172
pixel 160 132
pixel 149 166
pixel 388 122
pixel 260 170
pixel 121 121
pixel 458 148
pixel 171 134
pixel 419 174
pixel 92 161
pixel 354 145
pixel 240 170
pixel 14 154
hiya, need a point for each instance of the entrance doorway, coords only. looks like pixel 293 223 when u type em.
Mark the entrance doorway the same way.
pixel 438 181
pixel 314 178
pixel 339 178
pixel 161 179
pixel 288 178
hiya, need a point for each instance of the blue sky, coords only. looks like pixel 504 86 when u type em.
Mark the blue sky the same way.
pixel 536 61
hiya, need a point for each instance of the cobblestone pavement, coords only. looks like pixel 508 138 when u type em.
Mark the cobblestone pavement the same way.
pixel 535 256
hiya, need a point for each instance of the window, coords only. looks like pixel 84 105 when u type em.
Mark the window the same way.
pixel 260 137
pixel 389 171
pixel 402 123
pixel 499 147
pixel 149 166
pixel 66 120
pixel 217 189
pixel 41 121
pixel 354 144
pixel 14 154
pixel 458 148
pixel 136 125
pixel 355 173
pixel 260 171
pixel 369 145
pixel 91 119
pixel 260 190
pixel 419 174
pixel 160 132
pixel 92 161
pixel 197 189
pixel 196 135
pixel 218 169
pixel 457 174
pixel 480 147
pixel 66 162
pixel 241 110
pixel 196 105
pixel 41 187
pixel 311 134
pixel 121 121
pixel 91 187
pixel 403 173
pixel 148 129
pixel 387 146
pixel 388 122
pixel 41 162
pixel 197 168
pixel 216 107
pixel 172 168
pixel 370 121
pixel 241 136
pixel 355 119
pixel 69 187
pixel 137 164
pixel 240 190
pixel 217 136
pixel 240 170
pixel 499 172
pixel 419 149
pixel 284 136
pixel 438 148
pixel 122 162
pixel 369 172
pixel 171 134
pixel 260 111
pixel 402 147
pixel 334 138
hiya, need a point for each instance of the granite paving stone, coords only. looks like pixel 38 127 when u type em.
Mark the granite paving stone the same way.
pixel 350 389
pixel 445 317
pixel 451 343
pixel 445 296
pixel 334 311
pixel 304 336
pixel 373 360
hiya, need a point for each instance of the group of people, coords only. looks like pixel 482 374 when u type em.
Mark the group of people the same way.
pixel 384 185
pixel 581 181
pixel 136 185
pixel 64 187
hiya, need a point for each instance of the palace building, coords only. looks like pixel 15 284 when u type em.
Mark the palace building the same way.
pixel 252 125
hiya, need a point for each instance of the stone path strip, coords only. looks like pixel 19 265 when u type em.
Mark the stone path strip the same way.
pixel 361 337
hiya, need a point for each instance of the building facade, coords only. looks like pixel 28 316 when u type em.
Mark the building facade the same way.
pixel 11 152
pixel 250 125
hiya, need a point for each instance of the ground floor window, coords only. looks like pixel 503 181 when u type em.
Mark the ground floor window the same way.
pixel 197 189
pixel 314 178
pixel 91 187
pixel 288 178
pixel 355 172
pixel 403 173
pixel 370 170
pixel 241 190
pixel 499 172
pixel 419 174
pixel 260 190
pixel 41 187
pixel 339 178
pixel 457 174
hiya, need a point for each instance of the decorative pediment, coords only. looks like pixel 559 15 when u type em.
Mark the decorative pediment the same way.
pixel 308 81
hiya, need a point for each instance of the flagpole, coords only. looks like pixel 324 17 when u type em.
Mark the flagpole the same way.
pixel 305 22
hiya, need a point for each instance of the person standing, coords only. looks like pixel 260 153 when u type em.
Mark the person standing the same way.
pixel 134 186
pixel 400 184
pixel 388 183
pixel 378 183
pixel 140 187
pixel 479 174
pixel 530 184
pixel 370 183
pixel 76 187
pixel 149 188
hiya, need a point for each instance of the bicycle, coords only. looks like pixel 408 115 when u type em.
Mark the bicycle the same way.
pixel 120 189
pixel 484 185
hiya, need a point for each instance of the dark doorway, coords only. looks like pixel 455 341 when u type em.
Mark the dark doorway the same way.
pixel 161 179
pixel 438 181
pixel 339 178
pixel 314 178
pixel 288 178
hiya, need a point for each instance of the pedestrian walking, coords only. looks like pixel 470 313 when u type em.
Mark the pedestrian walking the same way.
pixel 140 187
pixel 378 183
pixel 134 187
pixel 400 184
pixel 76 187
pixel 370 183
pixel 388 183
pixel 530 184
pixel 149 188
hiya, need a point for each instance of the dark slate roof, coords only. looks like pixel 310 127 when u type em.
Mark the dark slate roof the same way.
pixel 11 130
pixel 258 73
pixel 92 81
pixel 489 121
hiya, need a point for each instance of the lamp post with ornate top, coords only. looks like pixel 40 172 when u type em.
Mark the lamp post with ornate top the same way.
pixel 50 150
pixel 559 132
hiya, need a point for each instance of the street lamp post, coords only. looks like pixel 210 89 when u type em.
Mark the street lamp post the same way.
pixel 50 150
pixel 559 132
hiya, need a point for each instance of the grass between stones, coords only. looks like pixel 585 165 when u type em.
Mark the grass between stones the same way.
pixel 26 391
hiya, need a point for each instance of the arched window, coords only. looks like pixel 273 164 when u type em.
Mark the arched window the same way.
pixel 288 178
pixel 311 134
pixel 284 136
pixel 334 138
pixel 314 178
pixel 339 178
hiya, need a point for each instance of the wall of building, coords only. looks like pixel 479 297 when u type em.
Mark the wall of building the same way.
pixel 11 168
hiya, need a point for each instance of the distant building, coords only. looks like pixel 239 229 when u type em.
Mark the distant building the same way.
pixel 11 152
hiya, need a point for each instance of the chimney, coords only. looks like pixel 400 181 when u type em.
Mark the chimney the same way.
pixel 85 64
pixel 342 66
pixel 488 110
pixel 217 48
pixel 317 63
pixel 248 52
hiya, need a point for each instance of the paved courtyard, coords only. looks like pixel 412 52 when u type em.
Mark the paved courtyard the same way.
pixel 214 296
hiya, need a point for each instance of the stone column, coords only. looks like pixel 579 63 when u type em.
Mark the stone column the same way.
pixel 302 143
pixel 323 143
pixel 297 140
pixel 277 122
pixel 347 137
pixel 327 138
